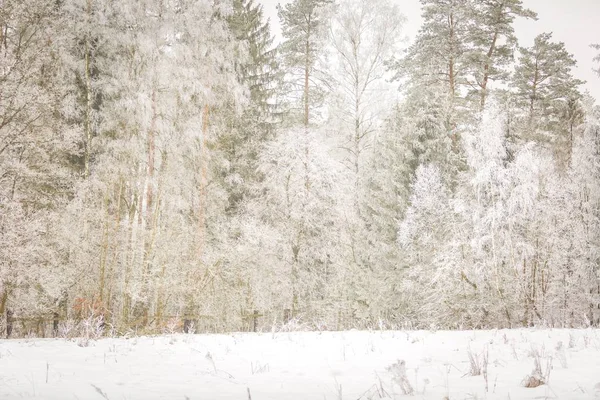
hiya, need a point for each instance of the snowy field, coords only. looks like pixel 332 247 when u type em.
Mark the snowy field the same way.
pixel 322 366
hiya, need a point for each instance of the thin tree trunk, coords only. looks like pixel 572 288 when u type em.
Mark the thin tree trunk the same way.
pixel 570 144
pixel 104 252
pixel 357 140
pixel 88 97
pixel 3 299
pixel 131 251
pixel 525 295
pixel 297 246
pixel 451 61
pixel 486 69
pixel 203 182
pixel 533 95
pixel 115 245
pixel 147 210
pixel 306 107
pixel 307 78
pixel 151 157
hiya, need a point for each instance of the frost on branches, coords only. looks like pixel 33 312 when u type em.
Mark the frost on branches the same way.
pixel 175 165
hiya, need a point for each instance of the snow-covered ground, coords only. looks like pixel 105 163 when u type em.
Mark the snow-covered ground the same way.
pixel 322 366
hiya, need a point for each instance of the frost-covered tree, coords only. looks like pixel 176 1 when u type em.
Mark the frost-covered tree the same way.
pixel 364 35
pixel 580 283
pixel 35 147
pixel 303 25
pixel 297 230
pixel 165 66
pixel 546 87
pixel 260 74
pixel 424 235
pixel 597 58
pixel 260 70
pixel 389 171
pixel 148 175
pixel 491 42
pixel 491 264
pixel 437 58
pixel 88 48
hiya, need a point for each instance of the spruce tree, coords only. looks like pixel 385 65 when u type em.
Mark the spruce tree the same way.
pixel 258 71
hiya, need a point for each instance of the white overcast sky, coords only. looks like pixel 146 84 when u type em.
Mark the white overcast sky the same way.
pixel 574 22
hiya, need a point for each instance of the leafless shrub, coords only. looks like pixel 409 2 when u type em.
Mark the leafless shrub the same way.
pixel 67 329
pixel 191 328
pixel 89 329
pixel 172 326
pixel 398 371
pixel 93 327
pixel 561 354
pixel 484 366
pixel 572 341
pixel 474 363
pixel 478 362
pixel 539 376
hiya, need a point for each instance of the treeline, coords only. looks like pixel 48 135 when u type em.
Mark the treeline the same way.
pixel 166 159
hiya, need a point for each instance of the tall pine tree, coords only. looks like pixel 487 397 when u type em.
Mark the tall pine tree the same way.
pixel 492 40
pixel 302 24
pixel 548 92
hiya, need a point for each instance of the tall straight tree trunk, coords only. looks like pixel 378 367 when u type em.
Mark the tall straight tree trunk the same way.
pixel 452 84
pixel 88 95
pixel 306 105
pixel 307 78
pixel 358 134
pixel 149 219
pixel 570 148
pixel 203 183
pixel 151 157
pixel 3 299
pixel 533 95
pixel 451 62
pixel 486 69
pixel 296 248
pixel 104 251
pixel 526 283
pixel 115 234
pixel 129 260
